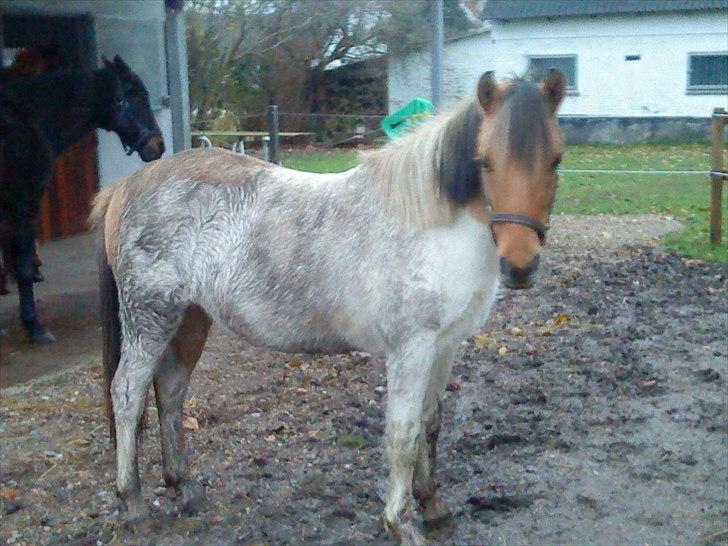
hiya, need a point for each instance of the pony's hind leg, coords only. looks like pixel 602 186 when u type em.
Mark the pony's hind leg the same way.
pixel 145 335
pixel 409 373
pixel 170 387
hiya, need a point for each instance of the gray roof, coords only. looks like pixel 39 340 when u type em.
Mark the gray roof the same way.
pixel 501 10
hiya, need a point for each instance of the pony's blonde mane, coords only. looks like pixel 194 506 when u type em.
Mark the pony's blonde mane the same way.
pixel 406 173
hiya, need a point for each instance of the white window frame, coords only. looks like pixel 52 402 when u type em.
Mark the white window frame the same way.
pixel 570 89
pixel 703 89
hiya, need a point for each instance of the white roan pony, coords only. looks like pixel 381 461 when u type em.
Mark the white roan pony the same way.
pixel 399 256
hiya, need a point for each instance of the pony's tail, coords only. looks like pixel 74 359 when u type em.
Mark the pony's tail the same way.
pixel 110 331
pixel 109 308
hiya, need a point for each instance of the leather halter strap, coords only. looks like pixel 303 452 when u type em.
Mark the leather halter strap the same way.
pixel 510 217
pixel 514 218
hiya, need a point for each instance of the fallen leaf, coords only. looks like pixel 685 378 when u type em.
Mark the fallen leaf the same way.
pixel 190 423
pixel 516 331
pixel 9 493
pixel 453 386
pixel 313 434
pixel 503 350
pixel 481 340
pixel 561 319
pixel 295 363
pixel 270 438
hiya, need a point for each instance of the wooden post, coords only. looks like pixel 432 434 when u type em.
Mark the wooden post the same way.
pixel 717 175
pixel 273 132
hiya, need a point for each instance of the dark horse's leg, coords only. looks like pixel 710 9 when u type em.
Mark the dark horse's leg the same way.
pixel 22 252
pixel 37 275
pixel 26 167
pixel 3 276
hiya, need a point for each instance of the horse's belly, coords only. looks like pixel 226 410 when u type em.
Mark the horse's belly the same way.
pixel 290 334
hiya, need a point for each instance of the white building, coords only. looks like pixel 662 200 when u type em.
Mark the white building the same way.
pixel 654 60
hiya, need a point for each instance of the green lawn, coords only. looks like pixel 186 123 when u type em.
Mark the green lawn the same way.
pixel 685 197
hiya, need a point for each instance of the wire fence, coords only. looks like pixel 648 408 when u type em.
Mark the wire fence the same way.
pixel 324 128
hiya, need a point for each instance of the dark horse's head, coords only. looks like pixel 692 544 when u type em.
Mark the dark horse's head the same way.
pixel 130 114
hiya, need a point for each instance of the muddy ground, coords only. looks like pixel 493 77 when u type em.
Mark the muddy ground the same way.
pixel 591 409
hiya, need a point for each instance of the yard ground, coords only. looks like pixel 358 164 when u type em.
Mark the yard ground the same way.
pixel 590 409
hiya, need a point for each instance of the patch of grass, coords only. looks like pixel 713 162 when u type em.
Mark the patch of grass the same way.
pixel 692 241
pixel 646 156
pixel 686 197
pixel 353 441
pixel 321 161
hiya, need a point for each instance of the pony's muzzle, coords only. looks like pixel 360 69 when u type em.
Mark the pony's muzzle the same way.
pixel 152 149
pixel 518 277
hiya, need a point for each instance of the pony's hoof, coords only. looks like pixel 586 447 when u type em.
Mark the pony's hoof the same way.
pixel 41 336
pixel 193 501
pixel 406 533
pixel 136 515
pixel 436 512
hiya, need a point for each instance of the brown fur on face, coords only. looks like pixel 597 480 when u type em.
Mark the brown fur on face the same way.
pixel 520 143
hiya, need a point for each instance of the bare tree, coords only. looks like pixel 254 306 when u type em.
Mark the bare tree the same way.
pixel 245 54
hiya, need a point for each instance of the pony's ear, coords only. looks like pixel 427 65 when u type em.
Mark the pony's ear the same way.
pixel 121 65
pixel 107 63
pixel 553 88
pixel 488 92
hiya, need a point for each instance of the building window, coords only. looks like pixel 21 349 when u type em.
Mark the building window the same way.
pixel 708 73
pixel 538 67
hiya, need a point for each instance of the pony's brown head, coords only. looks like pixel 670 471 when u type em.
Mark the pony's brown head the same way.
pixel 518 151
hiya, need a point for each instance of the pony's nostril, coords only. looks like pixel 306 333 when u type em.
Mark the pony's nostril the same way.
pixel 518 277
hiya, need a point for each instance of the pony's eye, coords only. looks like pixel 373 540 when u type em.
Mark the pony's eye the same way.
pixel 483 163
pixel 556 163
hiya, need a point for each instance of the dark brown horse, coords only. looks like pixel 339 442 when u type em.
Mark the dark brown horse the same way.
pixel 31 61
pixel 40 117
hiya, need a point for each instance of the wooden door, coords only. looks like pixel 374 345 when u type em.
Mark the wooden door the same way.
pixel 67 203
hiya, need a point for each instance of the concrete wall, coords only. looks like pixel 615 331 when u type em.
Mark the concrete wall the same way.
pixel 616 130
pixel 133 29
pixel 607 84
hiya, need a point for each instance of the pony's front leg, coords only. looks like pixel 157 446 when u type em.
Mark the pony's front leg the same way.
pixel 409 373
pixel 425 486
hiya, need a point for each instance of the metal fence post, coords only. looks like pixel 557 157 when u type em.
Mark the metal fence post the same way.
pixel 438 40
pixel 717 175
pixel 273 132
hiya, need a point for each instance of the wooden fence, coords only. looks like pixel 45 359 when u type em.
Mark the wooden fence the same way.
pixel 717 175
